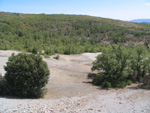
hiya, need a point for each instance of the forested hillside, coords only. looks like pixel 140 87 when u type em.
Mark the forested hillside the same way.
pixel 66 34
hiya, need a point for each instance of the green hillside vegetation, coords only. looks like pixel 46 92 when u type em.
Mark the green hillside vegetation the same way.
pixel 66 34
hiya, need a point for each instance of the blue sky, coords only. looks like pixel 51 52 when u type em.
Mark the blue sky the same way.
pixel 115 9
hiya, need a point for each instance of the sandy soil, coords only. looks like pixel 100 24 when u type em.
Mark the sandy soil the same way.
pixel 70 90
pixel 69 75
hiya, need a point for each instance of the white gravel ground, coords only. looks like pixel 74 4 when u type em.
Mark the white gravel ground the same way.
pixel 129 101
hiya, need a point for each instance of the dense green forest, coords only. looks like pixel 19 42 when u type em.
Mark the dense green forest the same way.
pixel 66 34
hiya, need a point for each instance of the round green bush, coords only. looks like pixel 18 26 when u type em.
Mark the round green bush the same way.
pixel 26 76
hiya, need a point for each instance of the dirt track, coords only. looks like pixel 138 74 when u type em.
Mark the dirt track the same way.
pixel 69 75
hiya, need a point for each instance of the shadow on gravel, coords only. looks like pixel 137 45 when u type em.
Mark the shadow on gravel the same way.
pixel 11 97
pixel 14 97
pixel 91 75
pixel 89 82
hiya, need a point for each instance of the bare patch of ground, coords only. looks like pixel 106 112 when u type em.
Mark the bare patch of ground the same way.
pixel 69 75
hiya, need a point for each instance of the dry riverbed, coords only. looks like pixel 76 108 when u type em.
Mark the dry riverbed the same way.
pixel 70 90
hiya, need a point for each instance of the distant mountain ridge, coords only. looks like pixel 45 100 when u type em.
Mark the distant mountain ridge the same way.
pixel 141 21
